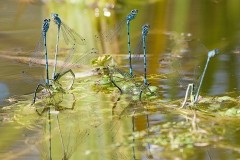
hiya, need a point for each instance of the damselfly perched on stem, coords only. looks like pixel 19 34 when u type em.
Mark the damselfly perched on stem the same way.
pixel 63 79
pixel 194 95
pixel 130 17
pixel 183 70
pixel 48 91
pixel 135 87
pixel 40 50
pixel 145 29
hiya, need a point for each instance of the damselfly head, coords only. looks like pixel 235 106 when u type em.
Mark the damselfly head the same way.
pixel 46 20
pixel 145 29
pixel 132 14
pixel 54 15
pixel 134 11
pixel 146 26
pixel 45 25
pixel 212 53
pixel 56 19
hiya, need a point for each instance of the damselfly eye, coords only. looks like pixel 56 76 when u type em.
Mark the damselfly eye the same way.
pixel 134 11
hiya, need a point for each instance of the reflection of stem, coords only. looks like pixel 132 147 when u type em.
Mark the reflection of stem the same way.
pixel 61 138
pixel 133 129
pixel 49 129
pixel 194 121
pixel 24 151
pixel 115 105
pixel 209 156
pixel 116 102
pixel 148 145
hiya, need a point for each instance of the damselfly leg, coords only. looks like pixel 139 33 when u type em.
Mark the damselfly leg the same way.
pixel 59 75
pixel 36 91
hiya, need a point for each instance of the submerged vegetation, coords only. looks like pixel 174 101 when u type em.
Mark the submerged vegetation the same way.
pixel 85 119
pixel 81 119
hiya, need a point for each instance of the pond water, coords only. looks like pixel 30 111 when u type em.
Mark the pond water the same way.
pixel 95 121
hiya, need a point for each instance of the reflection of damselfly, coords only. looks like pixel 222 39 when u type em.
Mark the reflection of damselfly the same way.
pixel 51 101
pixel 137 111
pixel 67 103
pixel 72 136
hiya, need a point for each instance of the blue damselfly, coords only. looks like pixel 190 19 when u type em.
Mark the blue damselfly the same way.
pixel 109 35
pixel 48 91
pixel 130 17
pixel 40 50
pixel 194 94
pixel 129 78
pixel 183 70
pixel 145 86
pixel 70 37
pixel 145 29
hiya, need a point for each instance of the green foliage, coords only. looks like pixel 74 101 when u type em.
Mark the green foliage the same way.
pixel 101 61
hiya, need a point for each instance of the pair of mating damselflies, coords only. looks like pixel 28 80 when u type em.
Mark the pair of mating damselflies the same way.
pixel 142 45
pixel 70 38
pixel 51 89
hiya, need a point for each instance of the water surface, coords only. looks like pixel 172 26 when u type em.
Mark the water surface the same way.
pixel 132 130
